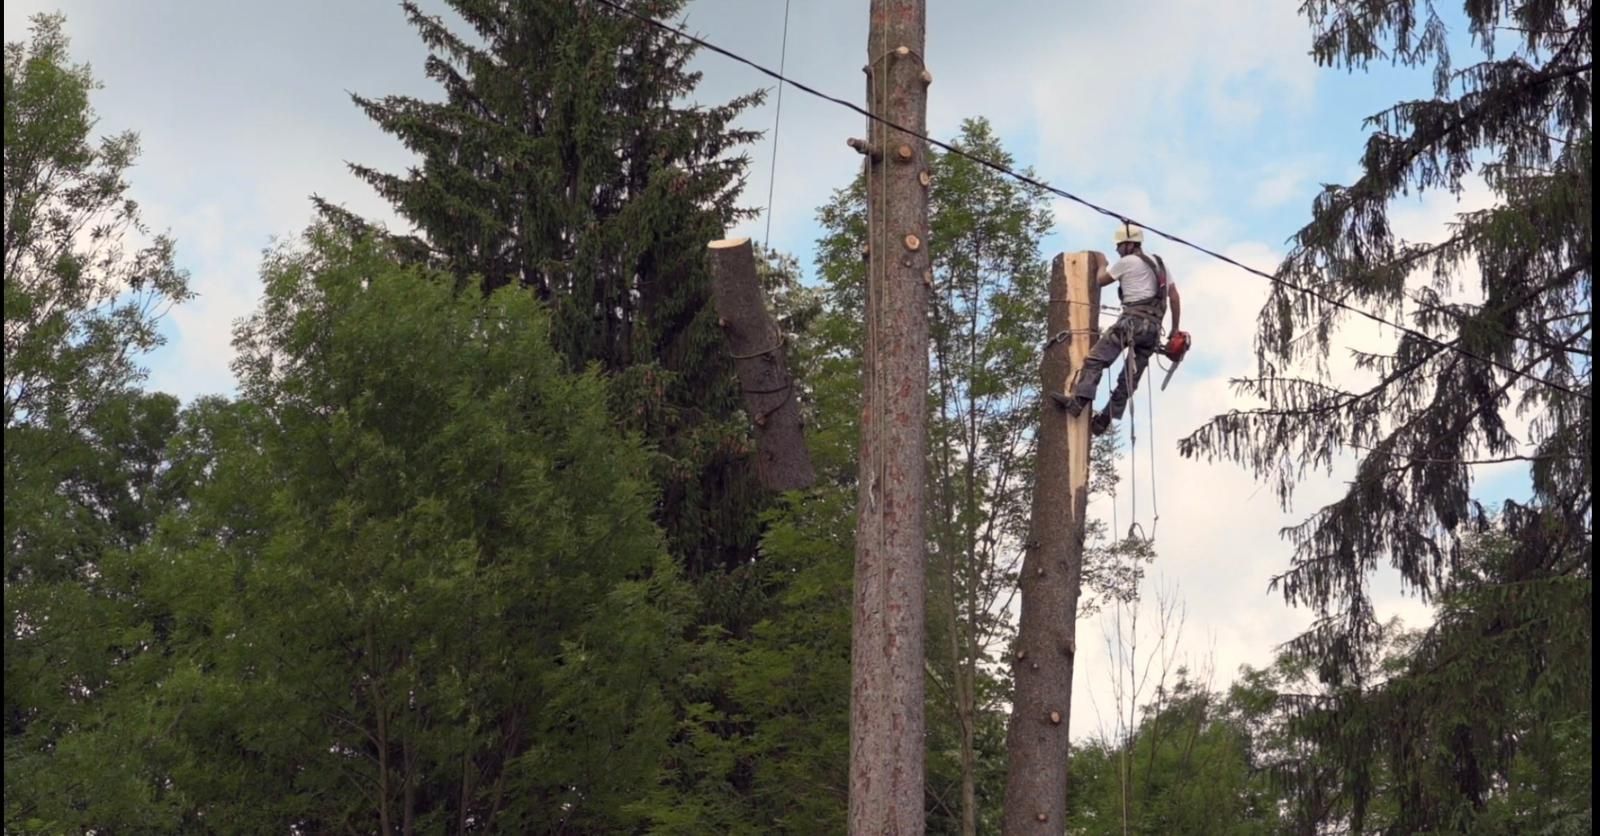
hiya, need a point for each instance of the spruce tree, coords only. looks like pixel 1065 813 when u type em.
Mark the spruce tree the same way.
pixel 1446 399
pixel 563 159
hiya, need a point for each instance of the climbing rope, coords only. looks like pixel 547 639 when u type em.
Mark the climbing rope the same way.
pixel 1135 529
pixel 777 120
pixel 1133 445
pixel 877 283
pixel 1115 524
pixel 1155 507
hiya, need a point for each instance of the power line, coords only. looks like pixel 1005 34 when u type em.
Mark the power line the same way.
pixel 777 120
pixel 1040 184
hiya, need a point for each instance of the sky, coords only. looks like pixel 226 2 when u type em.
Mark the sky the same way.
pixel 1207 118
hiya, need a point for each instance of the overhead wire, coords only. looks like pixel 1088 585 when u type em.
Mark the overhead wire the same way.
pixel 1062 193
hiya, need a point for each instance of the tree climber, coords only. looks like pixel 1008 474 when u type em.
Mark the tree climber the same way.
pixel 1145 292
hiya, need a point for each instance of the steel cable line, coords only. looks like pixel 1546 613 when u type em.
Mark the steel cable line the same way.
pixel 1040 184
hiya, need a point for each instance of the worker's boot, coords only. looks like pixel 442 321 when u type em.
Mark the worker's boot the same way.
pixel 1072 404
pixel 1100 423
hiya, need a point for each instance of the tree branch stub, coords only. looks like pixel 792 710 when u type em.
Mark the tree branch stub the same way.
pixel 864 148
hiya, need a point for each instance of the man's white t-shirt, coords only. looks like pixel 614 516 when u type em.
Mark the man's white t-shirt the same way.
pixel 1137 279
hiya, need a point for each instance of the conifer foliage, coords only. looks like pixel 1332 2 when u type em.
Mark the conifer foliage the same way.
pixel 563 159
pixel 1448 399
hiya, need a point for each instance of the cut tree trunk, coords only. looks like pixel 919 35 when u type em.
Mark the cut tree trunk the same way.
pixel 754 340
pixel 1052 568
pixel 886 642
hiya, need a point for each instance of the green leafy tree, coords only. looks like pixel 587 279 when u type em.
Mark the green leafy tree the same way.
pixel 85 286
pixel 764 747
pixel 768 750
pixel 1178 757
pixel 987 313
pixel 563 160
pixel 986 326
pixel 414 586
pixel 82 289
pixel 1189 768
pixel 1449 397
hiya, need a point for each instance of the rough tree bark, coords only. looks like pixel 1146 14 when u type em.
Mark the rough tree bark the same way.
pixel 1052 567
pixel 886 647
pixel 782 461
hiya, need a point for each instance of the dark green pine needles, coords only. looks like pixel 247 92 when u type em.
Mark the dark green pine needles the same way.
pixel 565 160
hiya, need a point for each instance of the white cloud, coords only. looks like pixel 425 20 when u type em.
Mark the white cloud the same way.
pixel 1282 184
pixel 236 135
pixel 1097 99
pixel 195 363
pixel 1112 88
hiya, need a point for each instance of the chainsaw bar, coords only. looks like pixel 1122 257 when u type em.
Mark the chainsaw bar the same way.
pixel 1170 369
pixel 1174 350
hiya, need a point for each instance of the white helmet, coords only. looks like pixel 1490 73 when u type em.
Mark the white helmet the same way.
pixel 1128 234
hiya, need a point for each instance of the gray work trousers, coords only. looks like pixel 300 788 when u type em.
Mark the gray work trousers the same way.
pixel 1141 331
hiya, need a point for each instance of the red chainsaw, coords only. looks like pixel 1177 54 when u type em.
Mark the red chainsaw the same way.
pixel 1177 346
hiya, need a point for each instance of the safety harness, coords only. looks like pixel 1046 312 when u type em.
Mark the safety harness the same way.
pixel 1155 309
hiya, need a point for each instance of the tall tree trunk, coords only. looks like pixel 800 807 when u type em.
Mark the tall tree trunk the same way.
pixel 957 583
pixel 782 460
pixel 886 648
pixel 1052 568
pixel 972 499
pixel 969 757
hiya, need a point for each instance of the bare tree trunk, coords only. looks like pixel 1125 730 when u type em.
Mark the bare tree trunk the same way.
pixel 782 461
pixel 381 710
pixel 969 760
pixel 886 648
pixel 959 576
pixel 971 499
pixel 408 826
pixel 1052 568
